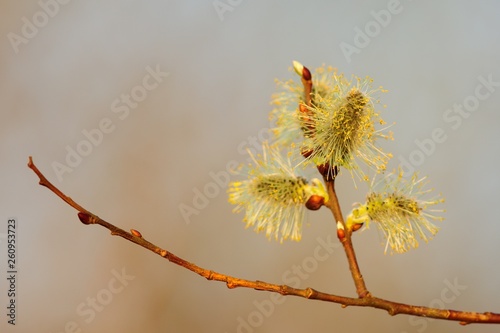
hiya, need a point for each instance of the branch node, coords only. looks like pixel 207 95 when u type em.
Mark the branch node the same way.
pixel 366 294
pixel 310 292
pixel 231 285
pixel 209 275
pixel 392 312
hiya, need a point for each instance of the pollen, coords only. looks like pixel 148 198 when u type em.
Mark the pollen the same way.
pixel 399 208
pixel 274 197
pixel 338 126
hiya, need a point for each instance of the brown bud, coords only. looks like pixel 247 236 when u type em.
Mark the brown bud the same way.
pixel 340 231
pixel 356 226
pixel 306 74
pixel 84 218
pixel 135 233
pixel 323 169
pixel 340 234
pixel 328 171
pixel 315 202
pixel 306 152
pixel 303 108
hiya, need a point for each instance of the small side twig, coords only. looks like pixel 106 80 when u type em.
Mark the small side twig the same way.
pixel 344 234
pixel 329 173
pixel 393 308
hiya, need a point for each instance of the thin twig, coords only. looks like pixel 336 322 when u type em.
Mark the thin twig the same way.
pixel 329 173
pixel 393 308
pixel 345 237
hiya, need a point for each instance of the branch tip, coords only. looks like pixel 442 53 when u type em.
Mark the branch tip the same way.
pixel 302 70
pixel 298 67
pixel 306 74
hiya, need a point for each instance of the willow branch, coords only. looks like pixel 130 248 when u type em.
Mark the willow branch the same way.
pixel 393 308
pixel 344 234
pixel 329 173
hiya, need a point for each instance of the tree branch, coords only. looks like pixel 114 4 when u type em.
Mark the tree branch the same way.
pixel 344 234
pixel 393 308
pixel 329 172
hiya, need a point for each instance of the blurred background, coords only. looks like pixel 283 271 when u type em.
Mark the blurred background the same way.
pixel 136 109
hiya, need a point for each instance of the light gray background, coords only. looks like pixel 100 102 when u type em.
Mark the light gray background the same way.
pixel 221 76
